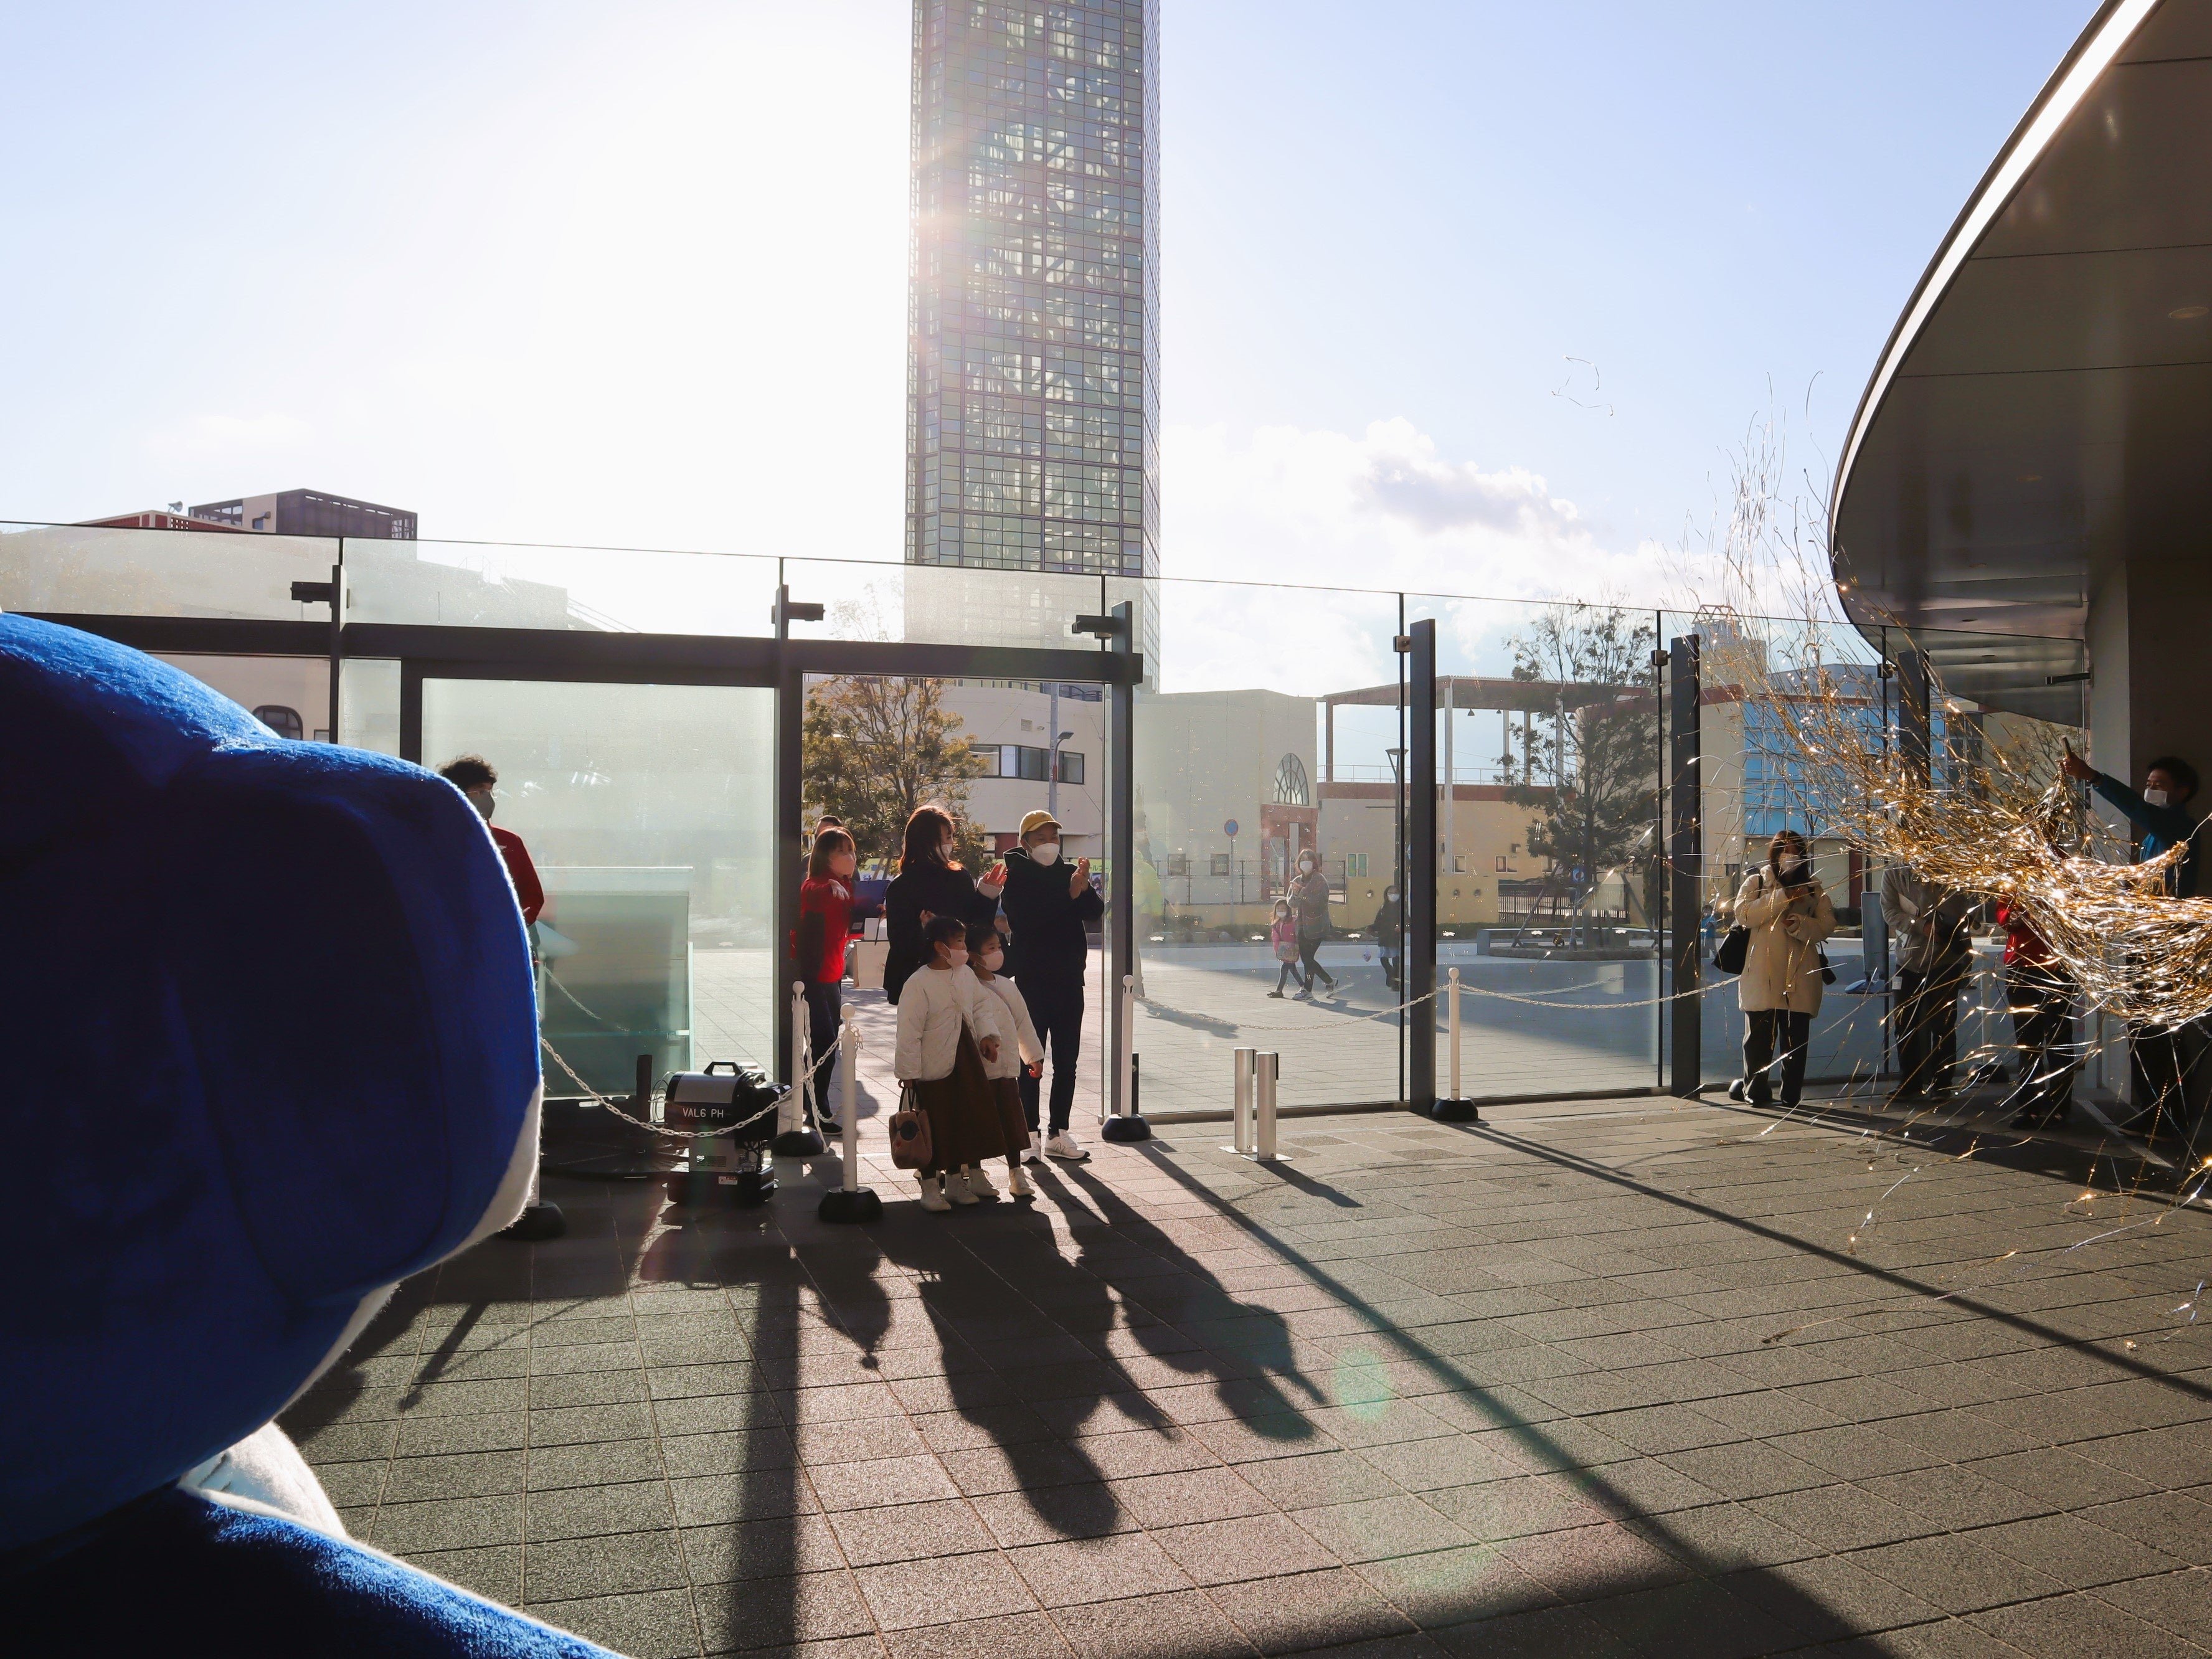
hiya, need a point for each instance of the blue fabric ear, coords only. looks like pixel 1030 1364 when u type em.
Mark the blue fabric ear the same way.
pixel 267 1042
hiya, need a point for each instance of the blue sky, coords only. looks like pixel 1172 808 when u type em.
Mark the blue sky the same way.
pixel 635 274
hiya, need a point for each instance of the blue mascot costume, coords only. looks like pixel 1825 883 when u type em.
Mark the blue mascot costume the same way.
pixel 267 1047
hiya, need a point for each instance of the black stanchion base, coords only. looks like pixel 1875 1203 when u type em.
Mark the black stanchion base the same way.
pixel 859 1206
pixel 1455 1111
pixel 537 1223
pixel 1132 1128
pixel 797 1143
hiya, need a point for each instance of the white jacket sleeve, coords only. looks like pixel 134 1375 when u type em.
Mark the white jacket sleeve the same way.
pixel 980 1008
pixel 1026 1035
pixel 913 1017
pixel 1759 901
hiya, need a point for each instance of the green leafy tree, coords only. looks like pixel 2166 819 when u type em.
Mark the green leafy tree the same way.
pixel 874 747
pixel 1591 768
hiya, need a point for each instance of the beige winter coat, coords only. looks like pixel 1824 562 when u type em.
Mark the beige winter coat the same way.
pixel 1782 967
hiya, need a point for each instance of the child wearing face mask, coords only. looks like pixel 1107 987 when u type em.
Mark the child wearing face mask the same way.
pixel 987 960
pixel 825 920
pixel 1283 935
pixel 950 1033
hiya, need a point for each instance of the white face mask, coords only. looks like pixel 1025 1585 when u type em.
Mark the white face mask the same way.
pixel 1046 851
pixel 2151 797
pixel 1306 866
pixel 954 958
pixel 991 961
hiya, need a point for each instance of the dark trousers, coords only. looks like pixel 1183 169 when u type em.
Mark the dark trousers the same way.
pixel 1927 1030
pixel 1056 1009
pixel 1289 971
pixel 825 1022
pixel 2163 1062
pixel 1308 963
pixel 1762 1029
pixel 2042 1004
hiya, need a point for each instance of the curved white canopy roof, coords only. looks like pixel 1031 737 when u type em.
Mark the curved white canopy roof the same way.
pixel 2044 407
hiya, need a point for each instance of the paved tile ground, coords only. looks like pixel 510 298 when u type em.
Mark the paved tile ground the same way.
pixel 1615 1379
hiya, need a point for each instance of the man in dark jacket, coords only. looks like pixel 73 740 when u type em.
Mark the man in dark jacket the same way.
pixel 1049 904
pixel 2163 817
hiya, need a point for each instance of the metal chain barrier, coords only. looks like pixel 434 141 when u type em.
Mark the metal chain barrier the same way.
pixel 1466 989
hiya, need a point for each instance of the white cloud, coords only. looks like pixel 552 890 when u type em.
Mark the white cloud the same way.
pixel 1382 510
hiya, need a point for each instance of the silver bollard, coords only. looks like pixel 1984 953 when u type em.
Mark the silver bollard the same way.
pixel 1267 1066
pixel 1242 1120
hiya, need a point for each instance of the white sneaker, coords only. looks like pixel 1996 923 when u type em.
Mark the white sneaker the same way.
pixel 956 1188
pixel 978 1183
pixel 1062 1145
pixel 1017 1181
pixel 932 1193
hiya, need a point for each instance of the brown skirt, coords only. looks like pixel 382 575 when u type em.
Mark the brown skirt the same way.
pixel 1013 1120
pixel 964 1111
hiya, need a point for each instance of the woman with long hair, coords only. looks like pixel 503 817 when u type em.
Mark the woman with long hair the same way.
pixel 1789 915
pixel 930 883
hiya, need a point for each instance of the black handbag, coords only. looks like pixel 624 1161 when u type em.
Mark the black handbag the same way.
pixel 1729 957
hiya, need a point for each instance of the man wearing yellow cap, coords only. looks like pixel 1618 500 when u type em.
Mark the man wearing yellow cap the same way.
pixel 1049 905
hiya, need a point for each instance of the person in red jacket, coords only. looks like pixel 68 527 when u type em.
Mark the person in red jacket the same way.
pixel 2041 997
pixel 473 774
pixel 825 920
pixel 474 777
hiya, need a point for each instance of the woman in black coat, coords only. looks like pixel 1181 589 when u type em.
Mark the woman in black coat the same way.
pixel 929 883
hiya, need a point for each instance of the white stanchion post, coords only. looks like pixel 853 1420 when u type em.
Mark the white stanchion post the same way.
pixel 1268 1065
pixel 849 1200
pixel 1452 1017
pixel 848 1097
pixel 794 1114
pixel 1128 1123
pixel 1128 1041
pixel 1243 1122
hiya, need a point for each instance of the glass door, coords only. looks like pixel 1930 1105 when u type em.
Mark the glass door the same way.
pixel 647 812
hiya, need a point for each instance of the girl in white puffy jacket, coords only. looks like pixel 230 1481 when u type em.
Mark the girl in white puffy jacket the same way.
pixel 987 958
pixel 949 1033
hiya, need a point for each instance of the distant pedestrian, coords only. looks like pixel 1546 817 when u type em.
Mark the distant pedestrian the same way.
pixel 929 883
pixel 1283 935
pixel 1020 1053
pixel 949 1035
pixel 1789 915
pixel 1389 926
pixel 825 922
pixel 1050 907
pixel 1309 897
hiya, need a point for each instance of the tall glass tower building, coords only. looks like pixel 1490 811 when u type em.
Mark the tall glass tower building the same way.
pixel 1033 376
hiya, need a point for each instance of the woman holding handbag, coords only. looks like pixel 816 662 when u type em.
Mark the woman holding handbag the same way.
pixel 949 1032
pixel 1785 915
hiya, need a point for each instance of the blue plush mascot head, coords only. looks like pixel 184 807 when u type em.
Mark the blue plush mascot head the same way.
pixel 267 1047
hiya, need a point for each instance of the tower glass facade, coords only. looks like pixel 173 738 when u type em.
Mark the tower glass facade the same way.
pixel 1033 374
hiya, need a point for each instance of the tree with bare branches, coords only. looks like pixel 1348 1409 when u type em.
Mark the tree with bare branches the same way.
pixel 874 747
pixel 1592 768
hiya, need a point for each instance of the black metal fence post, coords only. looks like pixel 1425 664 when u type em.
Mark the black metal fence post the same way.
pixel 1419 893
pixel 1685 866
